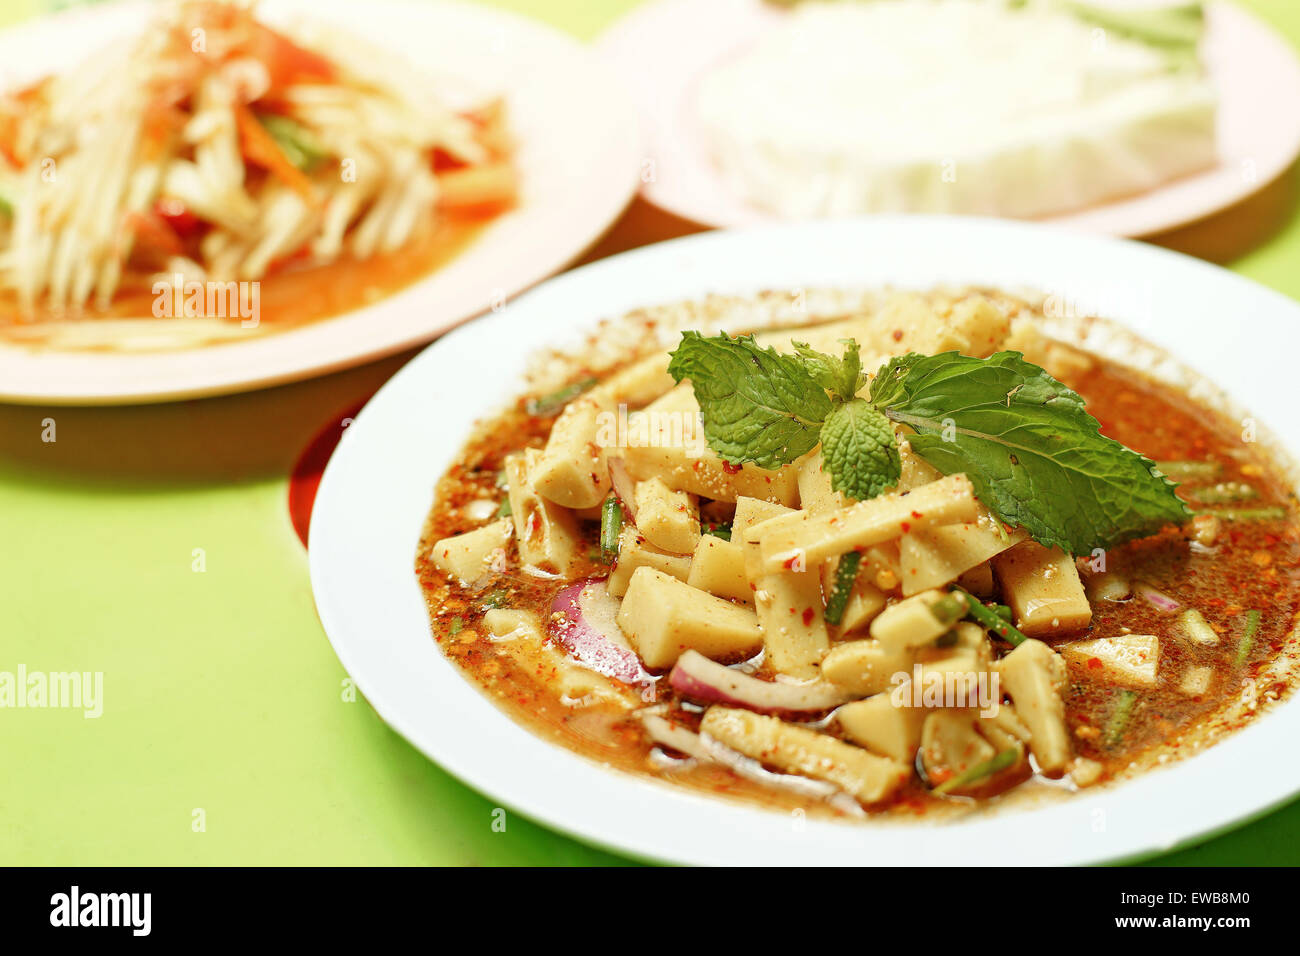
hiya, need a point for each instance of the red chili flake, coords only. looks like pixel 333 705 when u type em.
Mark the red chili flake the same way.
pixel 730 469
pixel 807 616
pixel 1095 664
pixel 898 335
pixel 788 564
pixel 916 514
pixel 906 527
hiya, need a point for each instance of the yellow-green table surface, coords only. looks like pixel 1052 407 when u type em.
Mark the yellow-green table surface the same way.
pixel 221 693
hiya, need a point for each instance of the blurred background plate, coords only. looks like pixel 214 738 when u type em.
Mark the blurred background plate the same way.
pixel 664 47
pixel 578 152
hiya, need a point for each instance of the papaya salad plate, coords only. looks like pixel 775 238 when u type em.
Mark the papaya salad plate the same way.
pixel 203 196
pixel 909 540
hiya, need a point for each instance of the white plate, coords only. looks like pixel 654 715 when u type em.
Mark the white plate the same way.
pixel 377 490
pixel 662 48
pixel 579 153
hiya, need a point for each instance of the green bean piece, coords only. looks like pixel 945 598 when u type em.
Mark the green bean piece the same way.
pixel 504 510
pixel 1246 514
pixel 553 404
pixel 1189 470
pixel 1225 492
pixel 985 768
pixel 991 619
pixel 1248 636
pixel 845 574
pixel 611 525
pixel 1119 717
pixel 722 531
pixel 948 609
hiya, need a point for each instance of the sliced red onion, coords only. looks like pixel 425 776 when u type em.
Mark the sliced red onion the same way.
pixel 1157 599
pixel 699 678
pixel 583 622
pixel 624 485
pixel 751 769
pixel 668 734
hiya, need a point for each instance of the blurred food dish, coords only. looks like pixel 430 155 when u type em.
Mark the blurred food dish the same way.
pixel 304 185
pixel 213 152
pixel 984 107
pixel 1112 116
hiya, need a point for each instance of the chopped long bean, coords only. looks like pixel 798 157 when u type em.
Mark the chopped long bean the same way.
pixel 1225 492
pixel 553 404
pixel 1188 470
pixel 1247 514
pixel 985 768
pixel 949 609
pixel 845 574
pixel 611 525
pixel 1119 717
pixel 504 510
pixel 1248 636
pixel 991 619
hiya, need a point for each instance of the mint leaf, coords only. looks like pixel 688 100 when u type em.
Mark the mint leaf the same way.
pixel 1035 456
pixel 758 405
pixel 842 377
pixel 859 452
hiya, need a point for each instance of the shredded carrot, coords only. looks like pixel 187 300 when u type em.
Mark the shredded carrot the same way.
pixel 261 149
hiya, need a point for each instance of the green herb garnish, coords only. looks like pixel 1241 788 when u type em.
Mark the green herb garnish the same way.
pixel 1037 459
pixel 722 531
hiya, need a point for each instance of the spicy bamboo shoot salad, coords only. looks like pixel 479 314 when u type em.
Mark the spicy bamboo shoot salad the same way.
pixel 910 560
pixel 215 148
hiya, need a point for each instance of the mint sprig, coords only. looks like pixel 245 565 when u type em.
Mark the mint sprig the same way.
pixel 1035 456
pixel 759 405
pixel 859 450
